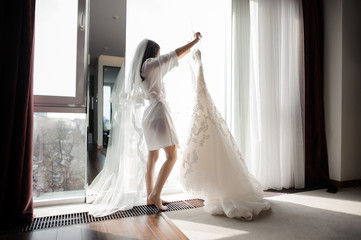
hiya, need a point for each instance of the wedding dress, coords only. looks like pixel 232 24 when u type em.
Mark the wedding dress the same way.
pixel 213 168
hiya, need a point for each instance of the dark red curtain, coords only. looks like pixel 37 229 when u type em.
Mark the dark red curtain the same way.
pixel 316 158
pixel 16 34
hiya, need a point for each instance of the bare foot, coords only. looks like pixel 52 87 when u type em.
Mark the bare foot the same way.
pixel 157 202
pixel 151 203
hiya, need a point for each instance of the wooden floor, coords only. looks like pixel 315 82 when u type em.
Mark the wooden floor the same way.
pixel 157 226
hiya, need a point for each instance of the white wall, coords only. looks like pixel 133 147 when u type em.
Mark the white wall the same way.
pixel 333 84
pixel 351 91
pixel 342 87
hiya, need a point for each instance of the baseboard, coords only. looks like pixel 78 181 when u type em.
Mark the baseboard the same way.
pixel 344 184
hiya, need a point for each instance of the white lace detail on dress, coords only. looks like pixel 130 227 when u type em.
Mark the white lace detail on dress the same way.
pixel 213 167
pixel 204 113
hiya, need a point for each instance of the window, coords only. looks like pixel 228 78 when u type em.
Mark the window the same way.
pixel 107 91
pixel 58 154
pixel 59 149
pixel 60 56
pixel 109 76
pixel 183 18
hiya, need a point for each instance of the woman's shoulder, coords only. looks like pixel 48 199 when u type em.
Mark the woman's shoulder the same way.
pixel 149 67
pixel 152 63
pixel 149 63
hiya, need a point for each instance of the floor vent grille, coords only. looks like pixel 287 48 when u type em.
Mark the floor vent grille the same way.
pixel 84 217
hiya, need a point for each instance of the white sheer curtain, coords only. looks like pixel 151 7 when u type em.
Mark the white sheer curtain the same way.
pixel 267 77
pixel 238 118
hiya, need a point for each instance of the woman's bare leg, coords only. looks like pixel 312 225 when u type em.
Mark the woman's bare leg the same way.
pixel 154 196
pixel 149 175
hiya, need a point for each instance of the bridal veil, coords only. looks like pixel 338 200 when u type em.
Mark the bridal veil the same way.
pixel 120 184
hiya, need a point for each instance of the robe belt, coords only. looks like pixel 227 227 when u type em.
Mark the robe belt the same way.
pixel 156 100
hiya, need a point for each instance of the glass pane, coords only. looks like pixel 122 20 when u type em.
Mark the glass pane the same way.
pixel 55 47
pixel 169 35
pixel 59 154
pixel 106 107
pixel 109 76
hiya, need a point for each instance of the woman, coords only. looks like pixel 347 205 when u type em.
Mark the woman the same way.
pixel 158 128
pixel 120 184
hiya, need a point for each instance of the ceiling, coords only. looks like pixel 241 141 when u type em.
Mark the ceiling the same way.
pixel 107 29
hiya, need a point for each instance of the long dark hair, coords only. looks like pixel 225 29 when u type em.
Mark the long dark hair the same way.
pixel 151 51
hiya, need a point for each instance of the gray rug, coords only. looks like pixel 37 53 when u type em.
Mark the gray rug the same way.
pixel 307 215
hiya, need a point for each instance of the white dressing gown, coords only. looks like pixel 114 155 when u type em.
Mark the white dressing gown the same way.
pixel 157 123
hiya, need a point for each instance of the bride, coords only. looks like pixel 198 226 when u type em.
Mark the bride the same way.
pixel 212 165
pixel 119 185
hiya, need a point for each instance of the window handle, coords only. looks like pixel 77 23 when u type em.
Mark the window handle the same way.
pixel 82 22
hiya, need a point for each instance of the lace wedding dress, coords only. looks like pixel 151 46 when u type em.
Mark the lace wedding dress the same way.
pixel 213 168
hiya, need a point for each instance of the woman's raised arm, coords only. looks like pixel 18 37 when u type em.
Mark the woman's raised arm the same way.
pixel 185 49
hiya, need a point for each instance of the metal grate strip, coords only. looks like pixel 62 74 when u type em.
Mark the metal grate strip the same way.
pixel 84 217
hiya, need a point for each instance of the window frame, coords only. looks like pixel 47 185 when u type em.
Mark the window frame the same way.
pixel 77 104
pixel 66 104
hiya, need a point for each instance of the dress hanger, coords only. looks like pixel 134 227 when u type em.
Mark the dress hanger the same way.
pixel 199 44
